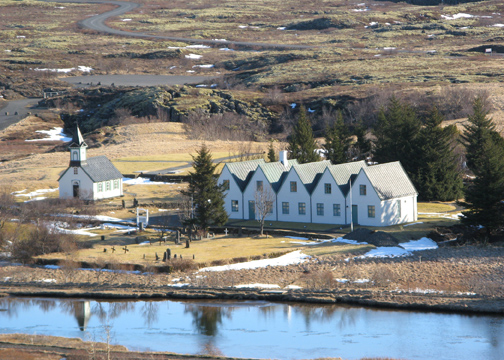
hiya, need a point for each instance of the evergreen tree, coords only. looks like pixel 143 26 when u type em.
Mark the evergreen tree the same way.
pixel 271 152
pixel 396 134
pixel 207 196
pixel 360 149
pixel 302 145
pixel 337 141
pixel 438 176
pixel 485 158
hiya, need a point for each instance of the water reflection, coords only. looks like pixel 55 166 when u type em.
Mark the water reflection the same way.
pixel 260 329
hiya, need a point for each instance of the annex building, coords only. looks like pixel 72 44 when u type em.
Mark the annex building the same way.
pixel 319 192
pixel 89 179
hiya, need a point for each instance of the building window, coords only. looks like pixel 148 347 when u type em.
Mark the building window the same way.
pixel 116 184
pixel 234 205
pixel 225 184
pixel 107 185
pixel 269 205
pixel 362 189
pixel 75 155
pixel 293 186
pixel 76 170
pixel 285 208
pixel 320 209
pixel 327 188
pixel 336 209
pixel 302 208
pixel 259 185
pixel 100 187
pixel 371 211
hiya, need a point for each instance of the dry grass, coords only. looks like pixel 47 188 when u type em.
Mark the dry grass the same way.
pixel 204 251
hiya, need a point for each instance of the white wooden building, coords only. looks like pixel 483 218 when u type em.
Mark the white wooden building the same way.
pixel 89 179
pixel 319 192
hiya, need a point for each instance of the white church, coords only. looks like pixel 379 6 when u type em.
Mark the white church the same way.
pixel 89 179
pixel 319 192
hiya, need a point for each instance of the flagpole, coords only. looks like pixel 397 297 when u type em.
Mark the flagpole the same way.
pixel 351 206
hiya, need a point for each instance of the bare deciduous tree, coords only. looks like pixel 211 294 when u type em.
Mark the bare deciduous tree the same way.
pixel 264 199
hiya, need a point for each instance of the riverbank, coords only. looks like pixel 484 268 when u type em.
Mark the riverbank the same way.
pixel 439 302
pixel 40 347
pixel 463 279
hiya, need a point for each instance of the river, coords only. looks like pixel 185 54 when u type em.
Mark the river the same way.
pixel 260 329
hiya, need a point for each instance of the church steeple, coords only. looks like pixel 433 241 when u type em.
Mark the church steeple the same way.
pixel 77 148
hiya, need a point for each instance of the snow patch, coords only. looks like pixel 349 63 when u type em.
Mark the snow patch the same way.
pixel 457 16
pixel 294 257
pixel 404 249
pixel 36 192
pixel 67 70
pixel 55 134
pixel 143 181
pixel 193 56
pixel 261 286
pixel 417 245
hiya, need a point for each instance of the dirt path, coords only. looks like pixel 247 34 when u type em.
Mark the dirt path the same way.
pixel 97 23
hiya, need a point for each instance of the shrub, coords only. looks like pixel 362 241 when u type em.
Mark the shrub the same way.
pixel 320 280
pixel 183 265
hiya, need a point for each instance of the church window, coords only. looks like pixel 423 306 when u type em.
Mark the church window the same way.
pixel 76 170
pixel 100 187
pixel 107 185
pixel 75 155
pixel 116 184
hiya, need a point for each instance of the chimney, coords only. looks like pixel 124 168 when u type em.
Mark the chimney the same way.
pixel 283 157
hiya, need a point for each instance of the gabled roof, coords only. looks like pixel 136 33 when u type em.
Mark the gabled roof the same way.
pixel 77 138
pixel 310 173
pixel 343 172
pixel 390 180
pixel 100 168
pixel 276 171
pixel 242 171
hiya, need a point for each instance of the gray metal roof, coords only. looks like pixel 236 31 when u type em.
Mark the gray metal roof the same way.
pixel 343 172
pixel 242 171
pixel 100 168
pixel 276 171
pixel 310 173
pixel 390 180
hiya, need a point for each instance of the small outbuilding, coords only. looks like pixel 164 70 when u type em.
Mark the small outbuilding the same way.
pixel 88 179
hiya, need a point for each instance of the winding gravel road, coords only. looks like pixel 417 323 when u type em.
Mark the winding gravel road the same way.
pixel 97 23
pixel 22 107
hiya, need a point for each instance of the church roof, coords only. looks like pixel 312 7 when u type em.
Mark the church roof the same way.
pixel 77 138
pixel 100 168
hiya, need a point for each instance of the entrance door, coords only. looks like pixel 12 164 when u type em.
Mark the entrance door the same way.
pixel 76 190
pixel 355 214
pixel 251 210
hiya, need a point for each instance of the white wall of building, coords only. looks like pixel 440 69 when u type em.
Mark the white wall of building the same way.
pixel 293 198
pixel 319 196
pixel 234 193
pixel 87 189
pixel 107 192
pixel 66 183
pixel 250 193
pixel 363 202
